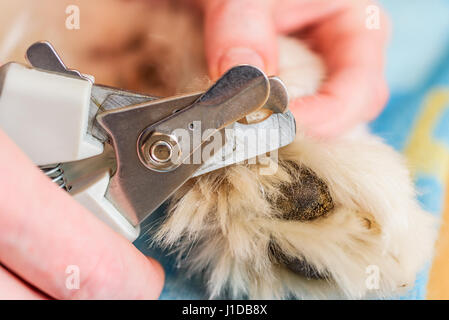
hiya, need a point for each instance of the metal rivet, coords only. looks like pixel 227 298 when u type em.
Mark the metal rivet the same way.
pixel 161 151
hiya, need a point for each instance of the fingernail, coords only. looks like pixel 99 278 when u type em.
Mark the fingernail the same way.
pixel 238 56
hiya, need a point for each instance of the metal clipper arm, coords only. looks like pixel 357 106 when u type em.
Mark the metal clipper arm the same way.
pixel 66 125
pixel 140 185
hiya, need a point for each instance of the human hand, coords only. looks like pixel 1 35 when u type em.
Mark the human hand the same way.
pixel 355 91
pixel 43 231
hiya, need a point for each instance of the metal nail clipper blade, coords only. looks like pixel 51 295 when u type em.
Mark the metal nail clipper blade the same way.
pixel 120 153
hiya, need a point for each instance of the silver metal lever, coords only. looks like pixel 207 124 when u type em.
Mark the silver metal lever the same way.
pixel 42 55
pixel 138 190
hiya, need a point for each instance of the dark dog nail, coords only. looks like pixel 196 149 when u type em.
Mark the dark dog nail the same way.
pixel 305 199
pixel 299 266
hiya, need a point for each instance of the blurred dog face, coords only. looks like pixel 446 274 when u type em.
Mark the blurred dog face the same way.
pixel 153 47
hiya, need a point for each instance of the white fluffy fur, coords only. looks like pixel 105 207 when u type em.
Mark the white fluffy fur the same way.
pixel 225 223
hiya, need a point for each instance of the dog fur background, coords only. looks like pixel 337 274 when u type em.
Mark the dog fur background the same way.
pixel 222 223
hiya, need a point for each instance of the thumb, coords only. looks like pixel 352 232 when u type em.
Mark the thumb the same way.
pixel 239 32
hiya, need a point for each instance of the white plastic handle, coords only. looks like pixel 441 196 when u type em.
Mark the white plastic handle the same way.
pixel 46 114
